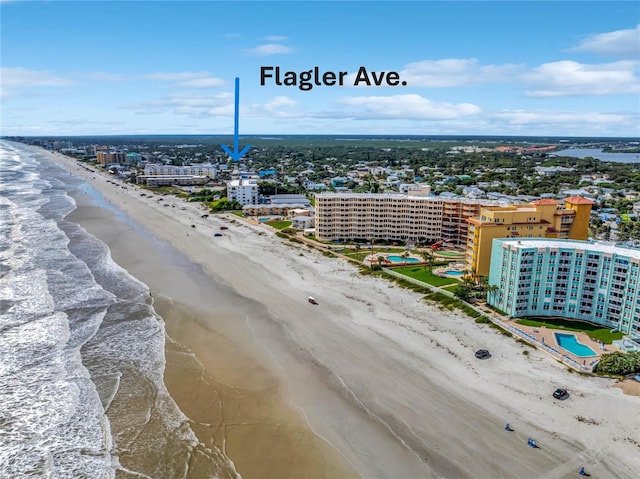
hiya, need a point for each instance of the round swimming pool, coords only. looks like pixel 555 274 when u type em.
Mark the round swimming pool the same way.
pixel 400 259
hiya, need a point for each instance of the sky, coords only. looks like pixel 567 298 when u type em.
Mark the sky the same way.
pixel 469 68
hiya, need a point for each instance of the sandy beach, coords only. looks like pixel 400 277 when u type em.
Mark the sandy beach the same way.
pixel 372 382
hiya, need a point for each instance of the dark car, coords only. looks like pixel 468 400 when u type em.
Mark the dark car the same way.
pixel 561 394
pixel 483 354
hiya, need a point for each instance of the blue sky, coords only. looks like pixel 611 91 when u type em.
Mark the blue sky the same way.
pixel 471 68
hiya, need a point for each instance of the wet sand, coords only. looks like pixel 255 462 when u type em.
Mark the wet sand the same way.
pixel 234 404
pixel 386 383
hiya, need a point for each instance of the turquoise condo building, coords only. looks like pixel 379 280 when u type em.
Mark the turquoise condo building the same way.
pixel 580 280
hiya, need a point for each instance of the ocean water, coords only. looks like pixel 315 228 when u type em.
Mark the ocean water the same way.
pixel 81 348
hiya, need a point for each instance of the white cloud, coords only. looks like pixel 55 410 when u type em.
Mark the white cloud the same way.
pixel 21 77
pixel 16 78
pixel 202 83
pixel 111 77
pixel 276 38
pixel 269 49
pixel 572 78
pixel 620 43
pixel 410 107
pixel 453 72
pixel 563 121
pixel 188 79
pixel 222 105
pixel 189 105
pixel 274 109
pixel 523 117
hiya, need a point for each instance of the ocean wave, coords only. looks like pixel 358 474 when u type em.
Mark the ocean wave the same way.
pixel 81 348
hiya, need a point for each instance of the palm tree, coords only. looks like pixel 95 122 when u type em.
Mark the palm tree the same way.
pixel 404 256
pixel 428 259
pixel 491 288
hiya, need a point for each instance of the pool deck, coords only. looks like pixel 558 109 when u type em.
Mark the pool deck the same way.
pixel 546 339
pixel 373 259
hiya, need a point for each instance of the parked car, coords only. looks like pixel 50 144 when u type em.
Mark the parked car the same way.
pixel 483 354
pixel 561 394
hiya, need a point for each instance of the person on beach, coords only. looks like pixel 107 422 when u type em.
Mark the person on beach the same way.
pixel 507 427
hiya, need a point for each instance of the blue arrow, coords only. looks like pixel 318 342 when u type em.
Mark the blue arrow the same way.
pixel 235 154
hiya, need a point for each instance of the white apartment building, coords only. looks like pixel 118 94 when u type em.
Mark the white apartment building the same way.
pixel 172 180
pixel 244 191
pixel 198 169
pixel 595 282
pixel 394 217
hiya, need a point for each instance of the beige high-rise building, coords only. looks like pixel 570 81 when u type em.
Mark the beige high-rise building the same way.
pixel 393 217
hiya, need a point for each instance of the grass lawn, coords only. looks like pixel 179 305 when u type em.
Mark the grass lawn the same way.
pixel 279 224
pixel 450 253
pixel 420 274
pixel 593 330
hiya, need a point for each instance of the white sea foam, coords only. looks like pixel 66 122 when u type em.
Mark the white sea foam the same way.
pixel 52 422
pixel 75 333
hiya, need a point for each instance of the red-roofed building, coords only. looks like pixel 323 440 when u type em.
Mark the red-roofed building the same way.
pixel 545 218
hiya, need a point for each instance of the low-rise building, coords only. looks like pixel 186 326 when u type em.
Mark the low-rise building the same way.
pixel 197 169
pixel 172 180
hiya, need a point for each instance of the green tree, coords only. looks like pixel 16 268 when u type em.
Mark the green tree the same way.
pixel 463 291
pixel 618 363
pixel 427 258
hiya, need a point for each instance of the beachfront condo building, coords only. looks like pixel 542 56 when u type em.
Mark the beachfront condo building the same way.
pixel 414 216
pixel 110 157
pixel 197 169
pixel 545 218
pixel 580 280
pixel 243 190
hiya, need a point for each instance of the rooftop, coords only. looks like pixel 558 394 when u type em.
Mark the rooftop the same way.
pixel 600 247
pixel 546 201
pixel 578 200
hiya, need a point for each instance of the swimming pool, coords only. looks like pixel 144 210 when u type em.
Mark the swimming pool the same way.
pixel 571 344
pixel 451 272
pixel 400 259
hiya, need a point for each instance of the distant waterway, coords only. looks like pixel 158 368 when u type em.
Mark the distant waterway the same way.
pixel 601 155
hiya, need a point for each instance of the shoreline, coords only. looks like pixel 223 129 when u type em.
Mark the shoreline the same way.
pixel 241 403
pixel 401 363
